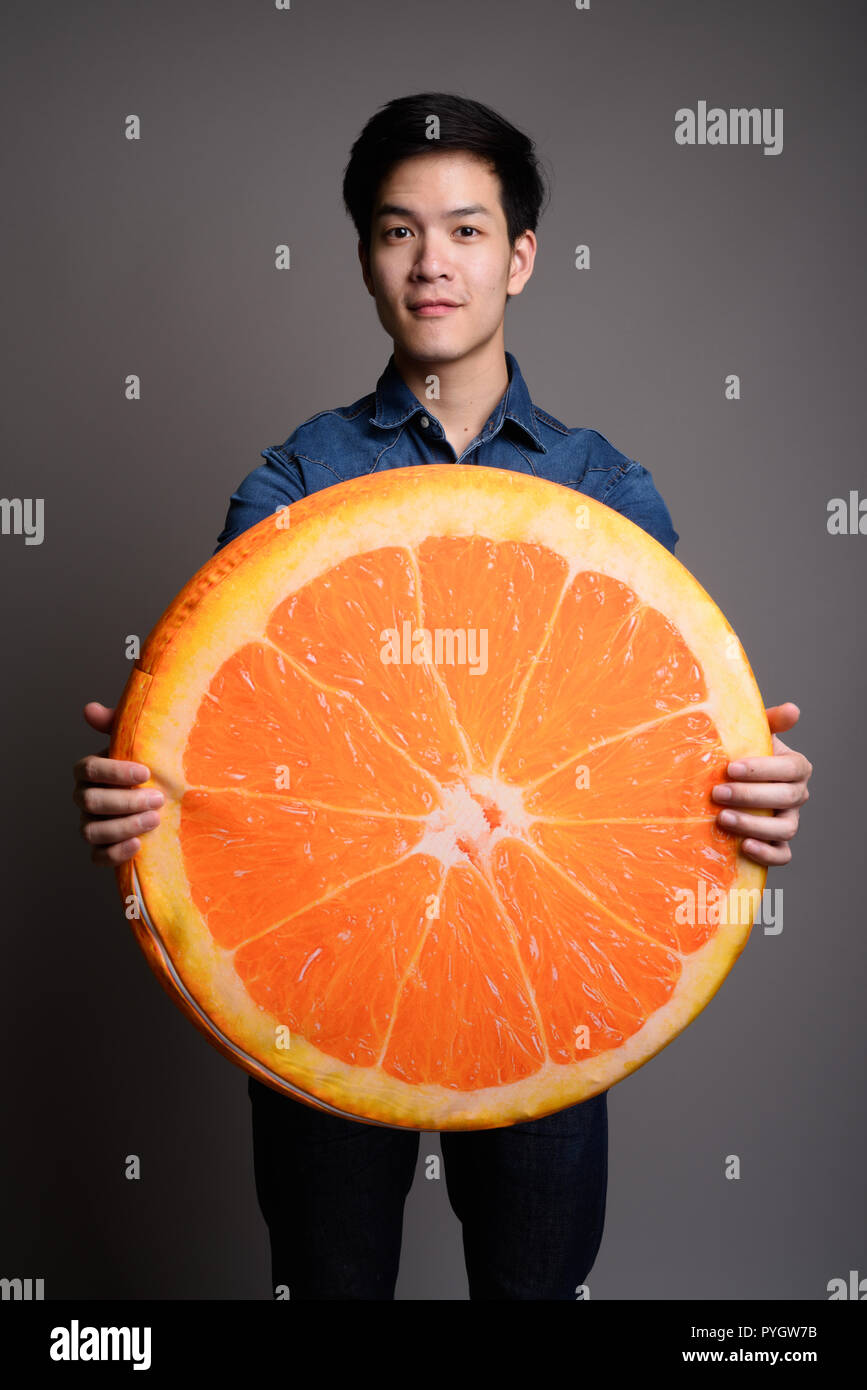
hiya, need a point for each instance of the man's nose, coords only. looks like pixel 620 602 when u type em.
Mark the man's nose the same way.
pixel 432 261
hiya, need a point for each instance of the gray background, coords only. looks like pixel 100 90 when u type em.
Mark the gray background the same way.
pixel 156 257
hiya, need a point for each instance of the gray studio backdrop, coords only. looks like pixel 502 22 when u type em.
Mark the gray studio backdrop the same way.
pixel 156 257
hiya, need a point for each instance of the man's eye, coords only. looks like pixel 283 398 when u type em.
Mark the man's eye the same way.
pixel 391 230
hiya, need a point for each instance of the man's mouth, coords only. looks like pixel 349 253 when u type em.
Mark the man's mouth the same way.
pixel 432 308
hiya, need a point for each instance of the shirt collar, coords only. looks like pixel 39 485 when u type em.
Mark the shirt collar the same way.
pixel 395 404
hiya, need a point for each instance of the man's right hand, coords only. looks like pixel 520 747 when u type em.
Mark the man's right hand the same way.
pixel 112 813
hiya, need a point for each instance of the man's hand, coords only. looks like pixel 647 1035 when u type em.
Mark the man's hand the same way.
pixel 113 815
pixel 778 782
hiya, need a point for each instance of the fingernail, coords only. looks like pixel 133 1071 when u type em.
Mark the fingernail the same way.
pixel 737 769
pixel 155 799
pixel 727 818
pixel 722 793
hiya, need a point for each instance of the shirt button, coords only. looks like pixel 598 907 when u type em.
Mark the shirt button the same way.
pixel 424 422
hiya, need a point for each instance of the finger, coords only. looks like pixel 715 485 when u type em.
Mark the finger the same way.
pixel 116 854
pixel 779 748
pixel 99 716
pixel 113 772
pixel 768 854
pixel 788 767
pixel 105 801
pixel 782 717
pixel 772 796
pixel 781 827
pixel 107 832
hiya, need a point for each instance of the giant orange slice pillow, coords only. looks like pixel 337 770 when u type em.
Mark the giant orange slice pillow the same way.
pixel 438 849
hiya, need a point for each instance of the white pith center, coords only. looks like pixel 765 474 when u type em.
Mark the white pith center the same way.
pixel 475 814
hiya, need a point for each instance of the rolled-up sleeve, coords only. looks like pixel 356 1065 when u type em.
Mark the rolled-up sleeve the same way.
pixel 276 483
pixel 634 495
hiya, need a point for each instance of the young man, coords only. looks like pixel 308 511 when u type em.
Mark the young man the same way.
pixel 446 231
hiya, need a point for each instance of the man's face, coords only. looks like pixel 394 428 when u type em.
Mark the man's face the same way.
pixel 439 232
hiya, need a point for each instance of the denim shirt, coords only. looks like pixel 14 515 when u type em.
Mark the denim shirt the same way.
pixel 391 428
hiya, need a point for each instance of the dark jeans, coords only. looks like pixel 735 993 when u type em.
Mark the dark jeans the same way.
pixel 530 1198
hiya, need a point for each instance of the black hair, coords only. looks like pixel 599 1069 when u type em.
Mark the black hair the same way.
pixel 400 129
